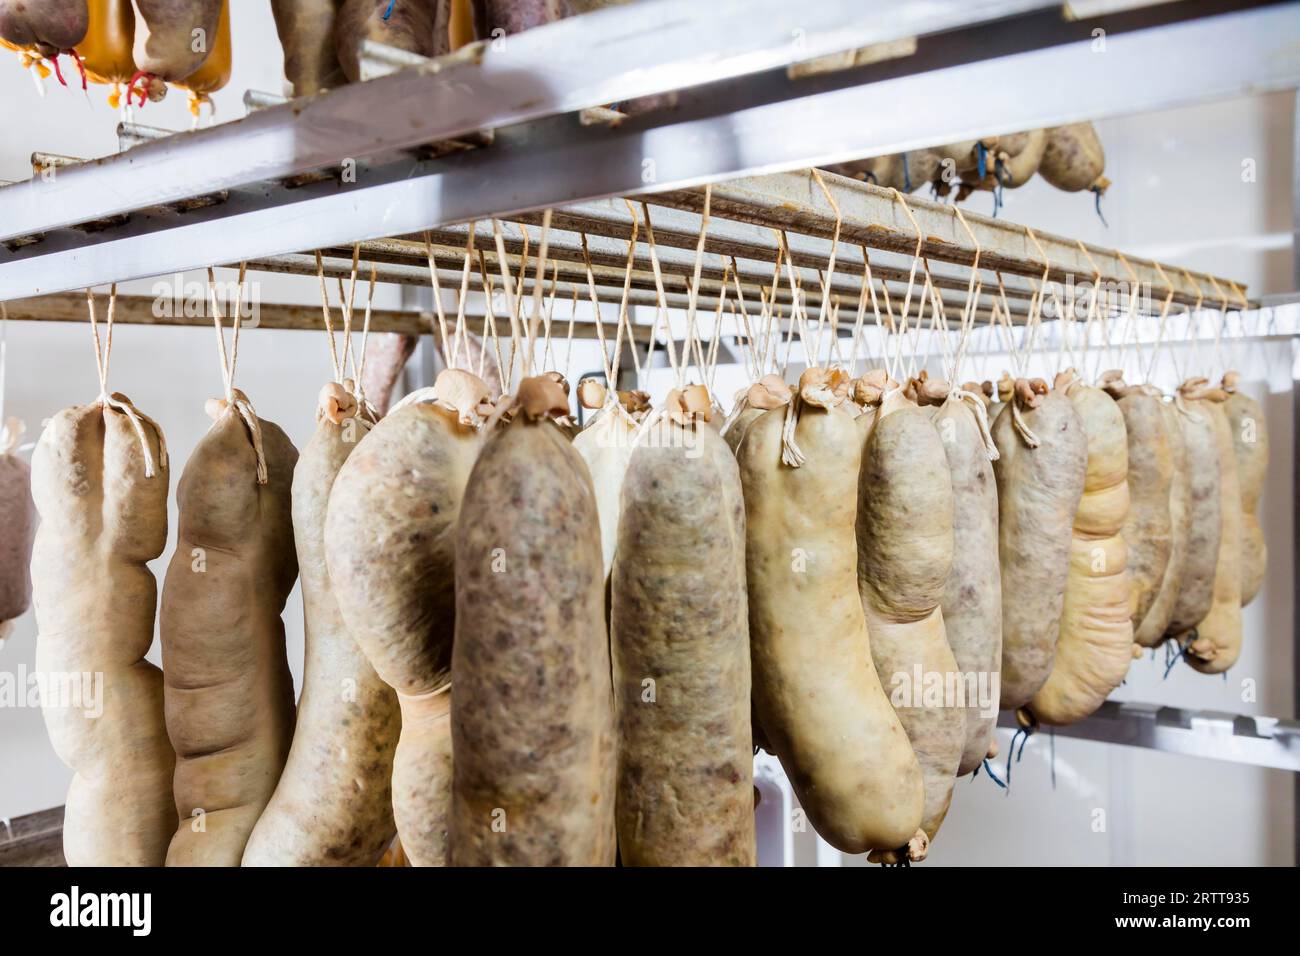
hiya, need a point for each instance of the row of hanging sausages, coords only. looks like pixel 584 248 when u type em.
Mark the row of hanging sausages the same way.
pixel 847 540
pixel 1071 158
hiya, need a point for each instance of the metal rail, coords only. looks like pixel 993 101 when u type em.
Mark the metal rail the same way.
pixel 143 310
pixel 1239 738
pixel 627 52
pixel 734 116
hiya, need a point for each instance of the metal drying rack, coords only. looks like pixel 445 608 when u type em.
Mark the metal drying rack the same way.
pixel 758 92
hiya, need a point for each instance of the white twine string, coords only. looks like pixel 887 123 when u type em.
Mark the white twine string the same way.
pixel 242 406
pixel 102 358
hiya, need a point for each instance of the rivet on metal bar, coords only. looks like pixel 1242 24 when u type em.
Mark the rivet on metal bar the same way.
pixel 600 116
pixel 133 134
pixel 43 161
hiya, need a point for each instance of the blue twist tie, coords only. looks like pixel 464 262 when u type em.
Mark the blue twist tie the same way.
pixel 1169 665
pixel 988 769
pixel 1097 192
pixel 1022 735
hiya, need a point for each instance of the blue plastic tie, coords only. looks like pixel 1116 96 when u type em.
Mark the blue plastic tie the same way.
pixel 980 153
pixel 1182 652
pixel 1012 752
pixel 389 12
pixel 907 176
pixel 1023 735
pixel 988 769
pixel 1097 192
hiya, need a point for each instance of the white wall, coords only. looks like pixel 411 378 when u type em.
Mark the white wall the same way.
pixel 1178 194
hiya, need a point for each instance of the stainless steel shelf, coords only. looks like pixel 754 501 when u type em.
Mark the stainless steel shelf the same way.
pixel 629 52
pixel 1215 735
pixel 978 68
pixel 143 310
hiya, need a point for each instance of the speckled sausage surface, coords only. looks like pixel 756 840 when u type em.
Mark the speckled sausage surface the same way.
pixel 390 550
pixel 532 720
pixel 680 648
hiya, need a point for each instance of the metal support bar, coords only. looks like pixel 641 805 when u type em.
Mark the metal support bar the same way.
pixel 1238 738
pixel 608 56
pixel 943 92
pixel 143 310
pixel 876 217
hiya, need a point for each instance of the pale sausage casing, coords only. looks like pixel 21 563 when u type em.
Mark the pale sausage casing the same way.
pixel 905 549
pixel 1204 514
pixel 680 648
pixel 1095 647
pixel 606 446
pixel 333 805
pixel 972 601
pixel 102 519
pixel 390 551
pixel 816 692
pixel 1216 642
pixel 1148 530
pixel 1073 158
pixel 229 697
pixel 533 718
pixel 18 518
pixel 1038 492
pixel 1250 441
pixel 767 393
pixel 1153 627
